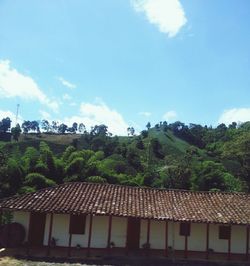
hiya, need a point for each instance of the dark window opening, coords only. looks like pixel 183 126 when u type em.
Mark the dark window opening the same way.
pixel 224 232
pixel 185 229
pixel 77 224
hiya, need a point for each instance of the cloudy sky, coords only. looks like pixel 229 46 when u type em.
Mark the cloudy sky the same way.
pixel 125 62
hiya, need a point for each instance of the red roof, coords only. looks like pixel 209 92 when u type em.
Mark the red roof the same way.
pixel 117 200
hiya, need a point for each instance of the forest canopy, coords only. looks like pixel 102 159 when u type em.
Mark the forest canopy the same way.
pixel 174 156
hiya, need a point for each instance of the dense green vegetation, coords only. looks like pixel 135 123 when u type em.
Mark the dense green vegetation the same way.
pixel 173 155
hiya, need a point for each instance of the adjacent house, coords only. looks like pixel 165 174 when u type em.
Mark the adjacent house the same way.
pixel 131 219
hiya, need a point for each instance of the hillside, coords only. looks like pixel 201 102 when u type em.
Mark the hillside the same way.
pixel 170 156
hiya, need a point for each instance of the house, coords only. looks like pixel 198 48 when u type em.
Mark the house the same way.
pixel 129 219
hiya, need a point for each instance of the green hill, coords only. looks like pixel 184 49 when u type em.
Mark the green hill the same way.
pixel 170 156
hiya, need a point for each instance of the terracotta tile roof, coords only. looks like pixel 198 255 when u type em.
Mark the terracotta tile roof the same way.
pixel 160 204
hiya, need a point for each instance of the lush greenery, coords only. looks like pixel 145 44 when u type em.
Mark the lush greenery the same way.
pixel 165 156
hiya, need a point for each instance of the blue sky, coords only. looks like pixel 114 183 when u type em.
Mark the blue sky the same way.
pixel 125 62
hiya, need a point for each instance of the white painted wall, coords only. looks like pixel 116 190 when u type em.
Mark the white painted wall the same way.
pixel 100 231
pixel 198 237
pixel 119 231
pixel 156 236
pixel 196 241
pixel 143 232
pixel 239 238
pixel 23 219
pixel 60 231
pixel 218 245
pixel 179 241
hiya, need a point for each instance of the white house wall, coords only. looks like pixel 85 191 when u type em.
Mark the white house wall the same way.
pixel 143 232
pixel 60 231
pixel 239 238
pixel 198 237
pixel 100 231
pixel 218 245
pixel 179 241
pixel 119 231
pixel 157 234
pixel 196 240
pixel 23 219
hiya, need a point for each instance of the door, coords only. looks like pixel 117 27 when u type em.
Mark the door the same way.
pixel 133 234
pixel 36 229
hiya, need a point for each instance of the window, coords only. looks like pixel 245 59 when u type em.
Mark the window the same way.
pixel 77 224
pixel 224 232
pixel 185 229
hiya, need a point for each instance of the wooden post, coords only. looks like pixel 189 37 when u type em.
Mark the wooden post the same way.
pixel 247 243
pixel 127 235
pixel 148 237
pixel 186 247
pixel 229 244
pixel 207 244
pixel 69 247
pixel 109 234
pixel 28 242
pixel 90 234
pixel 50 233
pixel 166 239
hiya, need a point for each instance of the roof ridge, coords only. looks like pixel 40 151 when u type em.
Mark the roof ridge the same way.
pixel 160 189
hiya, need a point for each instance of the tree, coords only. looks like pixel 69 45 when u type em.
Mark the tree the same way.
pixel 96 179
pixel 134 159
pixel 26 126
pixel 5 124
pixel 157 127
pixel 67 153
pixel 38 181
pixel 47 157
pixel 165 126
pixel 62 128
pixel 210 175
pixel 131 131
pixel 46 125
pixel 99 130
pixel 148 126
pixel 139 144
pixel 157 148
pixel 75 126
pixel 144 133
pixel 30 159
pixel 34 126
pixel 16 131
pixel 82 128
pixel 73 129
pixel 54 126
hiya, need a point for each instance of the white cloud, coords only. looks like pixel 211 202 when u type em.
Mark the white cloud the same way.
pixel 66 83
pixel 235 115
pixel 44 114
pixel 167 15
pixel 146 114
pixel 12 116
pixel 99 113
pixel 66 97
pixel 16 84
pixel 170 115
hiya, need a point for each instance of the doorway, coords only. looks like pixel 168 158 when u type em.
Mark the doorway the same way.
pixel 36 229
pixel 133 234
